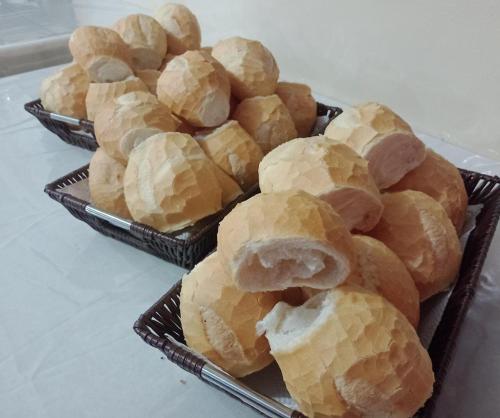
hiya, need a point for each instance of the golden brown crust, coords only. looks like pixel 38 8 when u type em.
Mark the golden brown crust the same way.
pixel 301 105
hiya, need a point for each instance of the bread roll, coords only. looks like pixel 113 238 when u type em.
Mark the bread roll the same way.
pixel 279 240
pixel 146 39
pixel 267 120
pixel 329 170
pixel 64 92
pixel 150 79
pixel 181 26
pixel 230 189
pixel 417 229
pixel 442 181
pixel 101 52
pixel 195 88
pixel 170 183
pixel 251 67
pixel 234 151
pixel 106 184
pixel 101 93
pixel 382 137
pixel 301 105
pixel 218 319
pixel 127 121
pixel 349 352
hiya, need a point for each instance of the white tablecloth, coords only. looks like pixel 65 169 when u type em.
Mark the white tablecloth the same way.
pixel 69 297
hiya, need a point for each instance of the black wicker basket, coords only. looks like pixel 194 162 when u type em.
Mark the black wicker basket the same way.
pixel 160 325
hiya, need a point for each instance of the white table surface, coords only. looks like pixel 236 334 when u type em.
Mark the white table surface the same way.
pixel 69 297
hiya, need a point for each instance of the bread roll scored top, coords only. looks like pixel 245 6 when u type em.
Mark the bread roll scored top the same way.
pixel 251 67
pixel 279 240
pixel 417 229
pixel 363 357
pixel 149 78
pixel 106 184
pixel 329 170
pixel 170 183
pixel 218 319
pixel 382 137
pixel 230 189
pixel 267 120
pixel 181 26
pixel 195 88
pixel 301 105
pixel 101 52
pixel 441 180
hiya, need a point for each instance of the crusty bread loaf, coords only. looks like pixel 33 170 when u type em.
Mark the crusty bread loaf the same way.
pixel 195 88
pixel 442 181
pixel 382 137
pixel 128 120
pixel 348 352
pixel 267 120
pixel 230 189
pixel 106 184
pixel 64 92
pixel 101 93
pixel 234 151
pixel 101 52
pixel 170 182
pixel 329 170
pixel 301 105
pixel 251 67
pixel 417 229
pixel 218 319
pixel 150 79
pixel 181 26
pixel 146 39
pixel 279 240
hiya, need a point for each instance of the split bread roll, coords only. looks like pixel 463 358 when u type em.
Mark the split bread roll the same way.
pixel 230 189
pixel 267 120
pixel 181 26
pixel 301 105
pixel 149 78
pixel 234 151
pixel 101 52
pixel 64 92
pixel 195 88
pixel 279 240
pixel 442 181
pixel 378 134
pixel 218 319
pixel 348 352
pixel 417 229
pixel 170 182
pixel 128 120
pixel 329 170
pixel 251 67
pixel 146 39
pixel 106 184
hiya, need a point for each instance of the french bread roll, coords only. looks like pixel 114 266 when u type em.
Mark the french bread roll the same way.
pixel 234 151
pixel 329 170
pixel 442 181
pixel 100 93
pixel 106 184
pixel 181 26
pixel 150 79
pixel 348 352
pixel 378 134
pixel 289 239
pixel 195 88
pixel 146 39
pixel 101 52
pixel 417 229
pixel 64 92
pixel 251 67
pixel 301 105
pixel 230 189
pixel 267 120
pixel 170 183
pixel 218 319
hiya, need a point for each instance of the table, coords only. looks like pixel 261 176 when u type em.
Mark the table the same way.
pixel 69 297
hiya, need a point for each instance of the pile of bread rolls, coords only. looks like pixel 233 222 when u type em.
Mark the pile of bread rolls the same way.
pixel 324 270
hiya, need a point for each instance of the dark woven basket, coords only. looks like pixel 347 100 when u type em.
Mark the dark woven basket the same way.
pixel 160 325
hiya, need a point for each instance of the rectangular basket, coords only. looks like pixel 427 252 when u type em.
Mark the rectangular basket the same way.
pixel 160 325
